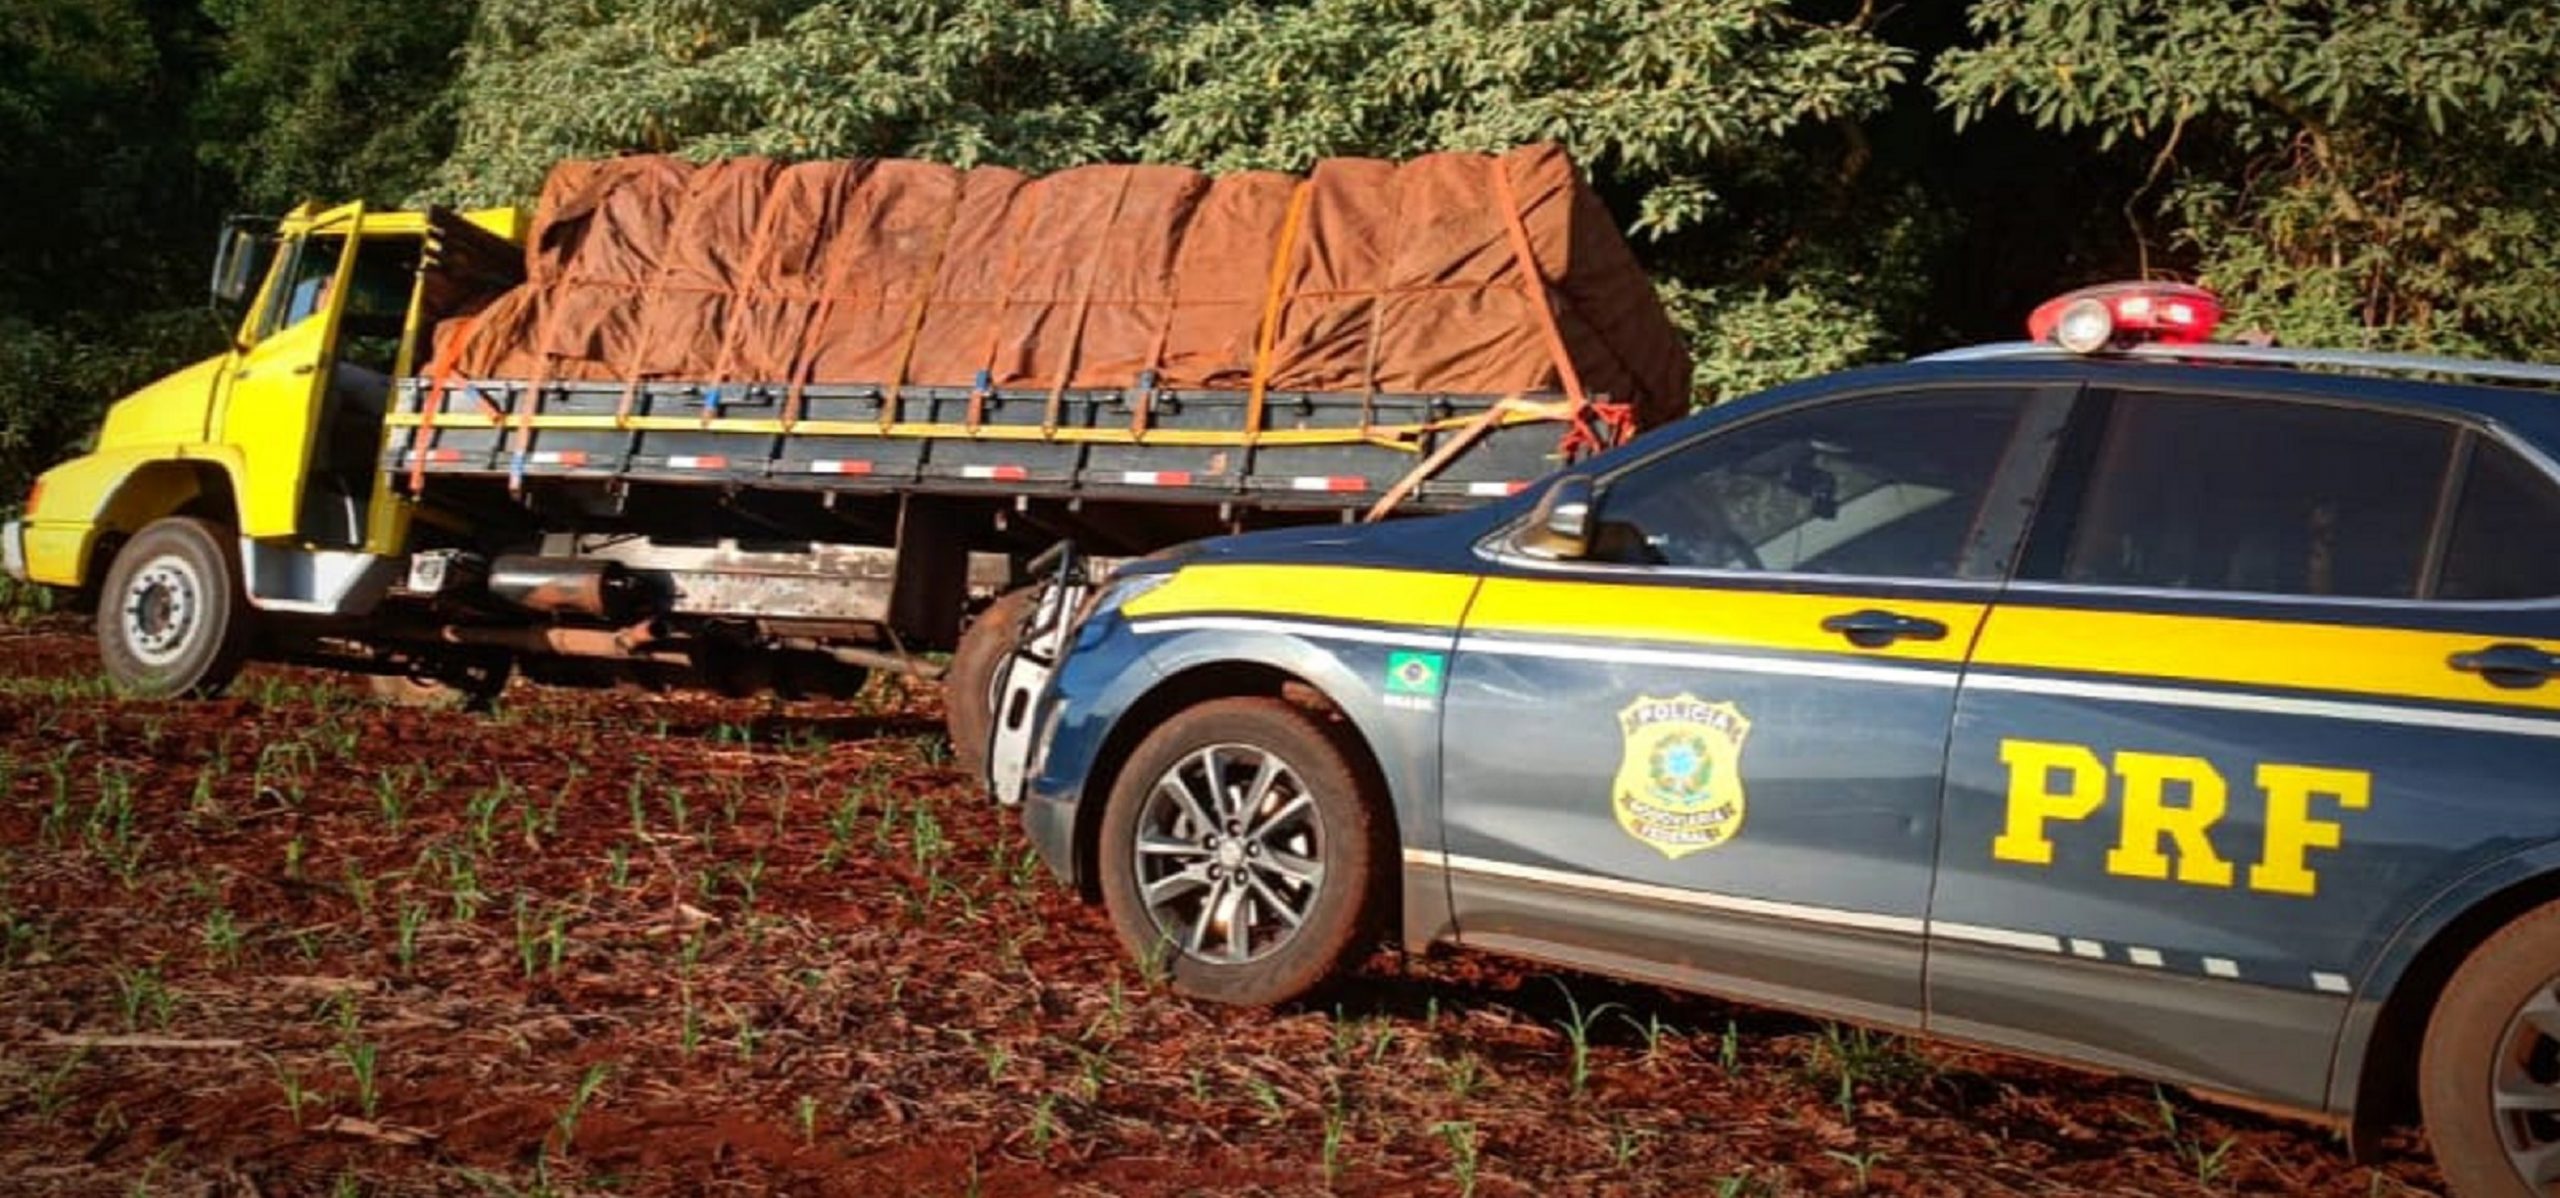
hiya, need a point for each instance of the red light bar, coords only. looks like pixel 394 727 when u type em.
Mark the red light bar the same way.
pixel 2094 318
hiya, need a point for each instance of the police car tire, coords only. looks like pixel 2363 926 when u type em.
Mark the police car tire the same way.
pixel 1338 931
pixel 2465 1036
pixel 217 641
pixel 968 686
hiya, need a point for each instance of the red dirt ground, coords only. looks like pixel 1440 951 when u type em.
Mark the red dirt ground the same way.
pixel 296 942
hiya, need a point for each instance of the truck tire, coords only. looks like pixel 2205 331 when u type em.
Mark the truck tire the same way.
pixel 172 618
pixel 2489 1071
pixel 1241 854
pixel 969 686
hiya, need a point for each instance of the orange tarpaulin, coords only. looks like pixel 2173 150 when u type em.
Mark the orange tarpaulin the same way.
pixel 1365 276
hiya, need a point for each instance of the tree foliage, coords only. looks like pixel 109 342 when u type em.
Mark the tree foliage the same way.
pixel 2349 173
pixel 1812 182
pixel 1038 86
pixel 346 100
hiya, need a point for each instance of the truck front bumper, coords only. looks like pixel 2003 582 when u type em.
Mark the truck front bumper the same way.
pixel 13 549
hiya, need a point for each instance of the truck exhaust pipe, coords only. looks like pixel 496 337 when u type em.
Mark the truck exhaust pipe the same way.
pixel 565 586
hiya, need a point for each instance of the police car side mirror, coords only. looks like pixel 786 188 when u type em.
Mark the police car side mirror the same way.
pixel 1560 528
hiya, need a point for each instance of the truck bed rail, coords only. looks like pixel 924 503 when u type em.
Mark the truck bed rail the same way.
pixel 1316 450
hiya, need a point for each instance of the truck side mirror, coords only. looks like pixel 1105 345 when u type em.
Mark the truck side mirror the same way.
pixel 239 258
pixel 1560 528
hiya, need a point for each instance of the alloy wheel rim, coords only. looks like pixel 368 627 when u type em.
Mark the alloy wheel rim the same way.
pixel 163 606
pixel 1230 854
pixel 2524 1093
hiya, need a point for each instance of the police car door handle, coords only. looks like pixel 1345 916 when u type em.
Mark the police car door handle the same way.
pixel 2508 665
pixel 1875 629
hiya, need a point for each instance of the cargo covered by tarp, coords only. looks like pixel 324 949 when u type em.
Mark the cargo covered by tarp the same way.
pixel 1452 274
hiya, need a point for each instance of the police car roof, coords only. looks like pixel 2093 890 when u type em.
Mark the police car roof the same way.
pixel 2517 395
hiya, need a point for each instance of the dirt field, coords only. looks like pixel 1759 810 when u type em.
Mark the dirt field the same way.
pixel 297 942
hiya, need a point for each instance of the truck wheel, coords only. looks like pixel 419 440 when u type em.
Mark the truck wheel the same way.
pixel 171 617
pixel 969 686
pixel 1240 851
pixel 2489 1073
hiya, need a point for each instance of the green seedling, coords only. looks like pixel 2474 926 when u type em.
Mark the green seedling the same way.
pixel 1860 1164
pixel 1045 1128
pixel 566 1122
pixel 142 996
pixel 404 948
pixel 362 1060
pixel 296 1095
pixel 53 1088
pixel 1463 1143
pixel 1462 1075
pixel 1337 1130
pixel 1577 1032
pixel 221 937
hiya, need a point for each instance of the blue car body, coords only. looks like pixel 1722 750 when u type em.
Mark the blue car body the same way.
pixel 2229 840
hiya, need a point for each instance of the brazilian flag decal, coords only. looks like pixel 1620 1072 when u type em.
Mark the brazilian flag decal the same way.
pixel 1415 674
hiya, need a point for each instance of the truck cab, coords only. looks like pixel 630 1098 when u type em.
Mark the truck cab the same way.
pixel 258 464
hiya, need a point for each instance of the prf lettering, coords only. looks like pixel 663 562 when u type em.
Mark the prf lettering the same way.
pixel 2165 803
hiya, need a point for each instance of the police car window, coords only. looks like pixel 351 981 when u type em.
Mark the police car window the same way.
pixel 1884 486
pixel 2221 494
pixel 2502 530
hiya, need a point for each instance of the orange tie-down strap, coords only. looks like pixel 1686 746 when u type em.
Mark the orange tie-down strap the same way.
pixel 439 377
pixel 1473 431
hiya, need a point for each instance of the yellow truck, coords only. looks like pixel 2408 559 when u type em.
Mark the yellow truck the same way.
pixel 633 435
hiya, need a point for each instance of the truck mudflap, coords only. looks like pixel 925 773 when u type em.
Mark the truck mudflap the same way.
pixel 1038 649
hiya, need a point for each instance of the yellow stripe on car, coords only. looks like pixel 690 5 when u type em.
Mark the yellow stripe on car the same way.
pixel 2397 662
pixel 1315 592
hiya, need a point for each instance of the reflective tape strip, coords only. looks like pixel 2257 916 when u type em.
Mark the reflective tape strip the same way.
pixel 1790 667
pixel 2218 968
pixel 560 457
pixel 690 462
pixel 1328 482
pixel 2043 942
pixel 1156 478
pixel 435 455
pixel 1872 921
pixel 834 466
pixel 1496 490
pixel 1002 474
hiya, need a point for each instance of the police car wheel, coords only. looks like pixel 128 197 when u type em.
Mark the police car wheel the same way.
pixel 171 617
pixel 1240 853
pixel 2489 1073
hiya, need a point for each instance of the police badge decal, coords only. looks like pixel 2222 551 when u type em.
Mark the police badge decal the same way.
pixel 1679 784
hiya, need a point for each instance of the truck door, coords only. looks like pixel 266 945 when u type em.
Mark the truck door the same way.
pixel 2273 673
pixel 280 382
pixel 1710 753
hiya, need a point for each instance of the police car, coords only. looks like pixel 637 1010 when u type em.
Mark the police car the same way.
pixel 2177 708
